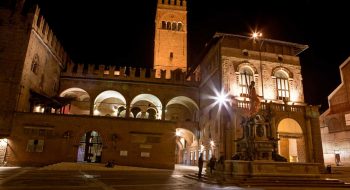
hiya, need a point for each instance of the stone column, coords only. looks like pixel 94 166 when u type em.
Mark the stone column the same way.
pixel 309 140
pixel 163 113
pixel 92 104
pixel 127 111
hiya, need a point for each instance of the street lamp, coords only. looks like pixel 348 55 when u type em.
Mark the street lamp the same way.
pixel 257 36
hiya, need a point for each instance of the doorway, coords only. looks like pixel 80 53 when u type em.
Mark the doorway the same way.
pixel 291 144
pixel 90 148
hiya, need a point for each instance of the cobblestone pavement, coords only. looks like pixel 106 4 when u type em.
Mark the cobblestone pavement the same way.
pixel 114 179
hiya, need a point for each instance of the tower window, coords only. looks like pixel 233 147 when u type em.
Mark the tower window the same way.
pixel 163 25
pixel 171 55
pixel 179 26
pixel 168 25
pixel 174 26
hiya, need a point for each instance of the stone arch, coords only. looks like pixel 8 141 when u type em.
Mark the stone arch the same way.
pixel 109 103
pixel 185 142
pixel 78 101
pixel 292 143
pixel 179 26
pixel 144 102
pixel 181 108
pixel 283 69
pixel 249 65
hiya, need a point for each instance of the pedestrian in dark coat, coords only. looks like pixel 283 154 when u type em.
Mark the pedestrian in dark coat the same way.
pixel 212 162
pixel 200 165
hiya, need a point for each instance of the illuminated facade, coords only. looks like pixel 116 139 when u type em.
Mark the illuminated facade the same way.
pixel 56 110
pixel 229 63
pixel 335 122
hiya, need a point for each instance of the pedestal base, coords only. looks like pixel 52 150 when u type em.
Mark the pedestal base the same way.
pixel 271 168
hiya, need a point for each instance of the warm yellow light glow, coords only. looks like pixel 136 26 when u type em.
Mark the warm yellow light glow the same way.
pixel 212 143
pixel 96 112
pixel 256 35
pixel 202 148
pixel 38 109
pixel 222 98
pixel 178 133
pixel 3 142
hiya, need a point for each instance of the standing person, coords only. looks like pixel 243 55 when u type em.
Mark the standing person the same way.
pixel 212 164
pixel 200 165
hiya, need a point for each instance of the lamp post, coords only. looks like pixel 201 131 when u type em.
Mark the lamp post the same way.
pixel 257 37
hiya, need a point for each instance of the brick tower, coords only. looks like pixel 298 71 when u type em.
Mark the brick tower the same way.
pixel 170 48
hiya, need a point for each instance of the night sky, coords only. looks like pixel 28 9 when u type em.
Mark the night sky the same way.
pixel 122 32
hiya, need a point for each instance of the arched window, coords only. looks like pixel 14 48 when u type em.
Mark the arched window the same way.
pixel 174 26
pixel 179 26
pixel 163 25
pixel 245 77
pixel 152 114
pixel 282 85
pixel 135 111
pixel 168 25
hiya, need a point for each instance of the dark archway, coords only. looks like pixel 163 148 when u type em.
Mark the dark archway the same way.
pixel 90 148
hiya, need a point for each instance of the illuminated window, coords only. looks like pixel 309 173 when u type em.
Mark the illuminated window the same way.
pixel 245 77
pixel 282 85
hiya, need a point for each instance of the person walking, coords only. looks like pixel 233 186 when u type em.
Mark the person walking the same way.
pixel 212 162
pixel 200 165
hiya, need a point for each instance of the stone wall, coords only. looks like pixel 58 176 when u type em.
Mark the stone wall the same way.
pixel 119 136
pixel 14 39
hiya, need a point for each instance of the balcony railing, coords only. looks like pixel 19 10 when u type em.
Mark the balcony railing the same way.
pixel 273 106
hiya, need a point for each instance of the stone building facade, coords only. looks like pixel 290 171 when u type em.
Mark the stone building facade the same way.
pixel 335 122
pixel 229 63
pixel 57 110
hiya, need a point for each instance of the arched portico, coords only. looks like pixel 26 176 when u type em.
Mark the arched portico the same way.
pixel 291 144
pixel 186 147
pixel 146 106
pixel 79 101
pixel 181 108
pixel 110 103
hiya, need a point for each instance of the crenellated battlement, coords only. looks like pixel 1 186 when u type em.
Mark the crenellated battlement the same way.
pixel 180 4
pixel 127 74
pixel 41 27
